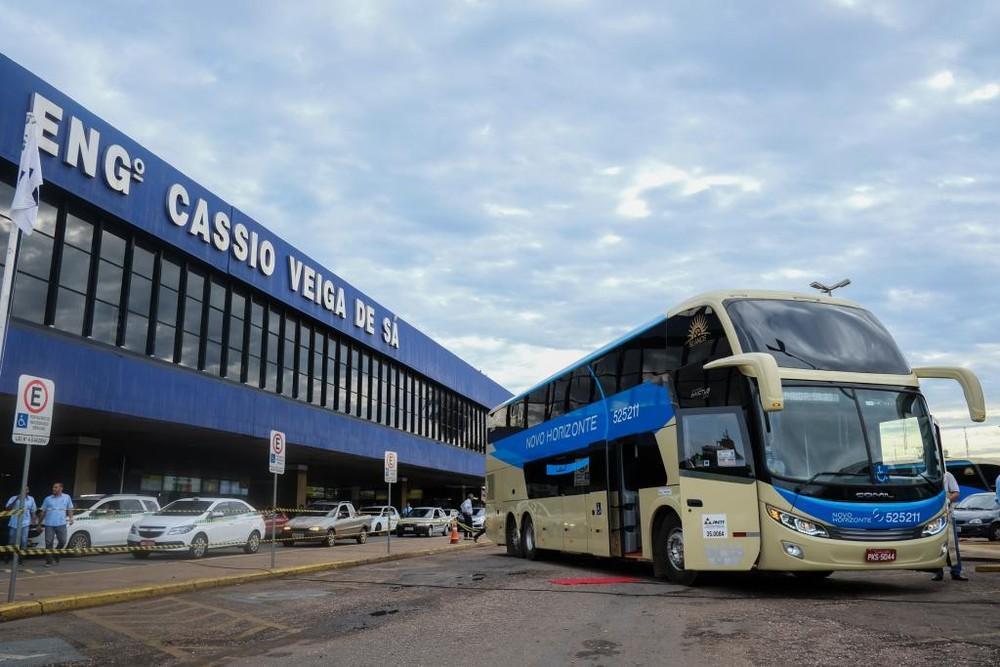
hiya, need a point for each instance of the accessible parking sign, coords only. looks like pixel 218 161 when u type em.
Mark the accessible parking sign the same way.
pixel 33 410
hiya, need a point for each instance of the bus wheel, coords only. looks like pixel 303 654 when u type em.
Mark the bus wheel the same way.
pixel 513 540
pixel 668 553
pixel 528 549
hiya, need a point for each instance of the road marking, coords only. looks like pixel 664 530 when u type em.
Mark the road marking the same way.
pixel 123 630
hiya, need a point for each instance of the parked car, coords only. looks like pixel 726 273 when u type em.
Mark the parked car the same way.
pixel 340 521
pixel 426 521
pixel 274 523
pixel 478 517
pixel 383 518
pixel 978 515
pixel 197 525
pixel 104 521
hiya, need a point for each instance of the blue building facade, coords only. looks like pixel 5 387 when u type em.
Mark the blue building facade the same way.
pixel 179 331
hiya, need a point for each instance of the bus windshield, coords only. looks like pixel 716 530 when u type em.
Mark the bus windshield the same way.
pixel 816 336
pixel 837 433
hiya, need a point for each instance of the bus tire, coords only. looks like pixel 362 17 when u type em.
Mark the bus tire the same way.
pixel 513 539
pixel 668 552
pixel 529 548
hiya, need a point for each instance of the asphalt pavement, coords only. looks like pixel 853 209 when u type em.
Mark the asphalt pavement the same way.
pixel 480 607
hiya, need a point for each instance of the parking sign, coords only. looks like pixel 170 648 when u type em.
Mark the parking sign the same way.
pixel 390 467
pixel 33 410
pixel 276 456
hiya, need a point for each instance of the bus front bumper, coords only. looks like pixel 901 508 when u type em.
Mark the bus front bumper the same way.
pixel 785 549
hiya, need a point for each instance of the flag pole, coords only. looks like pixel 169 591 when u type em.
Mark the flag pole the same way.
pixel 7 287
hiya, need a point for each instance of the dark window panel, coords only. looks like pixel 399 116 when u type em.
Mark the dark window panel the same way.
pixel 70 307
pixel 112 248
pixel 29 298
pixel 136 329
pixel 105 327
pixel 79 233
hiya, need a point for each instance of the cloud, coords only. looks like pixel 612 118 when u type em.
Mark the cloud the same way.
pixel 500 211
pixel 941 81
pixel 654 176
pixel 984 93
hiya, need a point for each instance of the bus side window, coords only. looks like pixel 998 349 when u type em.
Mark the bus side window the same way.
pixel 696 336
pixel 990 472
pixel 714 440
pixel 581 388
pixel 967 475
pixel 557 398
pixel 606 370
pixel 536 406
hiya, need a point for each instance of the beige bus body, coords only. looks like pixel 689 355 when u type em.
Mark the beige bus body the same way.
pixel 580 524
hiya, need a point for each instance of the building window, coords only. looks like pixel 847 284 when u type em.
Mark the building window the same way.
pixel 333 401
pixel 364 390
pixel 355 382
pixel 319 350
pixel 166 309
pixel 34 264
pixel 140 292
pixel 214 327
pixel 376 410
pixel 236 333
pixel 194 307
pixel 273 343
pixel 344 378
pixel 107 300
pixel 255 344
pixel 74 275
pixel 288 357
pixel 302 383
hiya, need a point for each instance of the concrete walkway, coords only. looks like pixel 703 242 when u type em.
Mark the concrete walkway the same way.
pixel 97 580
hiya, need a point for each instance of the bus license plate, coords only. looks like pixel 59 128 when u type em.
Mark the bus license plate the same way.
pixel 880 555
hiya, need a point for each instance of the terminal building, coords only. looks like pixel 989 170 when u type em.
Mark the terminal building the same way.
pixel 179 332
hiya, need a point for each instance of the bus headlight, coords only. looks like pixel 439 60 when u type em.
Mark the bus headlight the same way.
pixel 935 526
pixel 797 523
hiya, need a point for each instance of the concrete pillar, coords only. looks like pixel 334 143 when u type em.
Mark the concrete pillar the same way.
pixel 301 481
pixel 88 451
pixel 404 488
pixel 355 495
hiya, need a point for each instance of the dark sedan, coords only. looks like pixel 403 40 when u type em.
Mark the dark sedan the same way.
pixel 978 515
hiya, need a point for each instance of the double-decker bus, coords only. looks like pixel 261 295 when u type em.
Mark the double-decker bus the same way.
pixel 743 430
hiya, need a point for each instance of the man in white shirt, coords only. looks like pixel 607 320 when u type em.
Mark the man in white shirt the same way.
pixel 952 493
pixel 466 510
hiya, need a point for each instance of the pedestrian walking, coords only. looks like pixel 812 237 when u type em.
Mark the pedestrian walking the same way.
pixel 952 493
pixel 56 513
pixel 26 518
pixel 466 510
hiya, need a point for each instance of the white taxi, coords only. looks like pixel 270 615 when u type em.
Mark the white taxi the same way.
pixel 197 525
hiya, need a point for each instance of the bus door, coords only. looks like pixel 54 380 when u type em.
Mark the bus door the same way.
pixel 719 512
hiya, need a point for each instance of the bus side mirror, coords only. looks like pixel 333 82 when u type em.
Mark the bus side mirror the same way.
pixel 967 379
pixel 761 366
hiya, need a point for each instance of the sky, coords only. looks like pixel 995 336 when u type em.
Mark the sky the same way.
pixel 525 181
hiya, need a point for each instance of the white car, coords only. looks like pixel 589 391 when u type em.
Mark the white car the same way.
pixel 478 517
pixel 197 525
pixel 383 518
pixel 104 521
pixel 426 521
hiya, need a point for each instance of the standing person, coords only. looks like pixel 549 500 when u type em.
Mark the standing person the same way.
pixel 952 493
pixel 26 519
pixel 996 487
pixel 407 511
pixel 479 533
pixel 466 510
pixel 56 512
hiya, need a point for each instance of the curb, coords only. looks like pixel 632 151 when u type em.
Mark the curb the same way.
pixel 988 568
pixel 11 611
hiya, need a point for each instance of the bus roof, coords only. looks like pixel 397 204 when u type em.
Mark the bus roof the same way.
pixel 714 298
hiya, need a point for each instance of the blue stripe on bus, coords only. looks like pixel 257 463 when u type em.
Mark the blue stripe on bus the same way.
pixel 567 468
pixel 866 515
pixel 646 407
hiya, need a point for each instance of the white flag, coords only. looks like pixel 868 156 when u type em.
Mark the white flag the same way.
pixel 24 208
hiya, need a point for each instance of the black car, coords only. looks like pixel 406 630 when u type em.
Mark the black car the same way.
pixel 979 516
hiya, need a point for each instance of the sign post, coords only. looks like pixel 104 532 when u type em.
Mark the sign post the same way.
pixel 276 464
pixel 390 479
pixel 32 425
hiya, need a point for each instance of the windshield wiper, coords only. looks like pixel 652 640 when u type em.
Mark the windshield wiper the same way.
pixel 837 473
